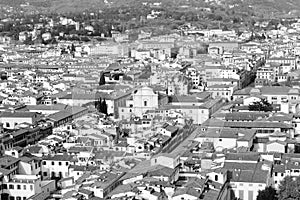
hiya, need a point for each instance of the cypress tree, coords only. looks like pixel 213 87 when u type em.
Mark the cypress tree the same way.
pixel 104 107
pixel 102 79
pixel 99 106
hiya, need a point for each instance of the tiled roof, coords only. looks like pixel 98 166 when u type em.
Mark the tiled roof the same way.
pixel 251 116
pixel 19 114
pixel 242 156
pixel 255 124
pixel 187 190
pixel 255 175
pixel 58 157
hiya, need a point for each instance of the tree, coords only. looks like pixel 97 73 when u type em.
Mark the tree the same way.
pixel 73 48
pixel 269 193
pixel 102 79
pixel 289 188
pixel 104 107
pixel 262 105
pixel 98 105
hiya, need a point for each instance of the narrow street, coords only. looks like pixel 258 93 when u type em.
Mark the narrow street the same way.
pixel 181 146
pixel 180 142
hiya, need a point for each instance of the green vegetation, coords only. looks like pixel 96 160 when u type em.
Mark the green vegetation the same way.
pixel 101 106
pixel 262 105
pixel 102 79
pixel 289 188
pixel 269 193
pixel 122 15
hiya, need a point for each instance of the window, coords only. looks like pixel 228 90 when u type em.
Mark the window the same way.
pixel 11 198
pixel 4 186
pixel 145 103
pixel 24 187
pixel 44 173
pixel 31 187
pixel 275 173
pixel 220 140
pixel 282 174
pixel 250 194
pixel 52 163
pixel 44 162
pixel 18 198
pixel 241 194
pixel 7 124
pixel 216 177
pixel 59 163
pixel 18 187
pixel 11 187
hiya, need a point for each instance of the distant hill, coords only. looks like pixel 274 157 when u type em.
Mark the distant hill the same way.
pixel 268 8
pixel 271 8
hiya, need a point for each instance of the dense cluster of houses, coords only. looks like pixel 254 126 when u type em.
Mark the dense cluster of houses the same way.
pixel 178 122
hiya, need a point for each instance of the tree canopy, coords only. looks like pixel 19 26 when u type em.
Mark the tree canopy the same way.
pixel 102 79
pixel 289 188
pixel 101 106
pixel 269 193
pixel 262 105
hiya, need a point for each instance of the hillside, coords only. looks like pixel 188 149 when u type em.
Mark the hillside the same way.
pixel 261 8
pixel 271 8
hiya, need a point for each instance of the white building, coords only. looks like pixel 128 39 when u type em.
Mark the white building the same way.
pixel 56 166
pixel 143 99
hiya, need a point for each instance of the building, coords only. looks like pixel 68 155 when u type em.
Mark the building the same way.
pixel 11 119
pixel 56 166
pixel 143 99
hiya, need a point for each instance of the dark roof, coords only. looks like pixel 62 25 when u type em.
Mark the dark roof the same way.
pixel 85 191
pixel 187 190
pixel 251 116
pixel 255 124
pixel 34 149
pixel 58 157
pixel 279 168
pixel 6 161
pixel 19 114
pixel 242 156
pixel 256 175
